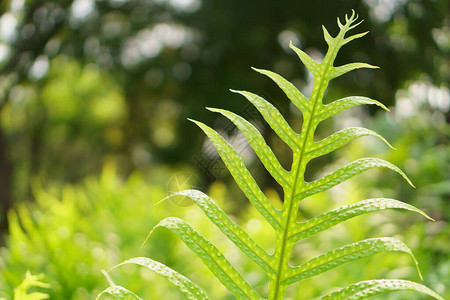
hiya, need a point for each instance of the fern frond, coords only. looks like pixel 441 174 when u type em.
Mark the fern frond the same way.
pixel 356 36
pixel 348 171
pixel 184 285
pixel 327 36
pixel 309 63
pixel 364 289
pixel 235 233
pixel 259 145
pixel 121 293
pixel 295 189
pixel 340 105
pixel 274 118
pixel 346 254
pixel 329 219
pixel 212 257
pixel 289 89
pixel 339 139
pixel 243 177
pixel 339 71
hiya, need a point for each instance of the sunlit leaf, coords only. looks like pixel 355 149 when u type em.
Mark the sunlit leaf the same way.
pixel 212 258
pixel 364 289
pixel 189 289
pixel 339 215
pixel 230 229
pixel 120 293
pixel 343 255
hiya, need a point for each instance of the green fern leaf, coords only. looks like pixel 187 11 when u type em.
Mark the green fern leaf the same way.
pixel 342 174
pixel 243 177
pixel 121 293
pixel 289 89
pixel 184 285
pixel 339 71
pixel 274 118
pixel 340 139
pixel 235 233
pixel 343 255
pixel 364 289
pixel 307 61
pixel 340 105
pixel 337 216
pixel 288 230
pixel 258 144
pixel 211 256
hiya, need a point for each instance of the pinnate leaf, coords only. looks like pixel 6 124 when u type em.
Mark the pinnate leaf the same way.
pixel 212 258
pixel 340 105
pixel 235 233
pixel 119 292
pixel 312 65
pixel 356 36
pixel 339 139
pixel 339 215
pixel 289 89
pixel 346 254
pixel 274 118
pixel 189 289
pixel 258 144
pixel 327 36
pixel 243 177
pixel 339 71
pixel 350 170
pixel 364 289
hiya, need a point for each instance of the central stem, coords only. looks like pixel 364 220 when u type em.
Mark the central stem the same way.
pixel 283 245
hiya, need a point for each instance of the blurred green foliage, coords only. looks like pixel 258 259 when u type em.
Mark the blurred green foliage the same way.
pixel 31 281
pixel 66 127
pixel 71 237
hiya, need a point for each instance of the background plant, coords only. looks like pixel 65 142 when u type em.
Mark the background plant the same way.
pixel 106 46
pixel 284 222
pixel 22 292
pixel 72 232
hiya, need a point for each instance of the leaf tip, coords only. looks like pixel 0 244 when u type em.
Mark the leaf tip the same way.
pixel 427 216
pixel 195 121
pixel 292 46
pixel 216 110
pixel 407 179
pixel 339 23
